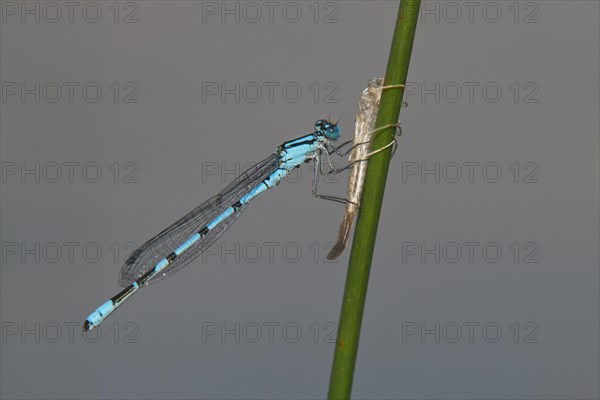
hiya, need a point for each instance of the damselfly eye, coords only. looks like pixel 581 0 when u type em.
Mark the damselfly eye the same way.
pixel 327 128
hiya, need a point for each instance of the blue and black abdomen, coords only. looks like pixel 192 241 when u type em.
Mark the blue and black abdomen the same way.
pixel 198 221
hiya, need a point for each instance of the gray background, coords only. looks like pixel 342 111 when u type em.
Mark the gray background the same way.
pixel 158 345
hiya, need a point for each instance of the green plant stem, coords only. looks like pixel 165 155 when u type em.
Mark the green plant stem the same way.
pixel 355 292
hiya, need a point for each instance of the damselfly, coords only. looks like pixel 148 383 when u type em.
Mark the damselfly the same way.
pixel 183 241
pixel 366 115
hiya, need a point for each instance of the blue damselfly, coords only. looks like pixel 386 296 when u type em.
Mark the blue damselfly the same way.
pixel 184 240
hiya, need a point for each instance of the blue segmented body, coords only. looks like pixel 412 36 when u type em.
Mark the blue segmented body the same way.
pixel 188 237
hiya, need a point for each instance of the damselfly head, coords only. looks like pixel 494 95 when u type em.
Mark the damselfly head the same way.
pixel 327 128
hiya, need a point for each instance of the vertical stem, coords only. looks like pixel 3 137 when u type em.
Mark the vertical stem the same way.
pixel 355 292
